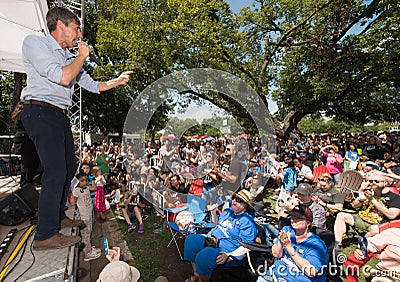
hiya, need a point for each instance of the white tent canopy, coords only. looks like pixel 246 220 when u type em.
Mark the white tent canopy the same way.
pixel 19 18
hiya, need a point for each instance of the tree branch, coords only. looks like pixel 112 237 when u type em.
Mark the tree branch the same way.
pixel 283 38
pixel 366 12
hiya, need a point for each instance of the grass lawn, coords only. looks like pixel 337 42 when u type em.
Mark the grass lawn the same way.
pixel 151 256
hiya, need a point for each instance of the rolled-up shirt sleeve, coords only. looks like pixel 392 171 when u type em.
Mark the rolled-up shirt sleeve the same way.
pixel 86 82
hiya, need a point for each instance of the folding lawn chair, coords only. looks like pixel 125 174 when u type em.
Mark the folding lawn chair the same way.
pixel 349 183
pixel 189 221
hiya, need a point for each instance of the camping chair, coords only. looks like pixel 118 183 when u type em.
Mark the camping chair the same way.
pixel 349 183
pixel 189 221
pixel 257 254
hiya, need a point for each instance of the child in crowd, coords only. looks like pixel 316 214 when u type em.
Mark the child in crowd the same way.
pixel 289 177
pixel 288 186
pixel 133 206
pixel 86 168
pixel 81 197
pixel 100 201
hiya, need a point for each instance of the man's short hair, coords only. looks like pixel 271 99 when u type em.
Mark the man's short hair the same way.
pixel 63 14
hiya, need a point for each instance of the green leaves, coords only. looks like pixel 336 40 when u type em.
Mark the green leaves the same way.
pixel 337 58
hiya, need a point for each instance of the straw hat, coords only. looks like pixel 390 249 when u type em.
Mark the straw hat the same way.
pixel 246 197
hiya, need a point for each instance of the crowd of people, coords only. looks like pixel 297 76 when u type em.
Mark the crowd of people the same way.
pixel 218 169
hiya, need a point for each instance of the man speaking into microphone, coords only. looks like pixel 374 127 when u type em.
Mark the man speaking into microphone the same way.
pixel 52 72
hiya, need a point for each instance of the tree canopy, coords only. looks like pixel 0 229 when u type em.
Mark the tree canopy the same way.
pixel 333 58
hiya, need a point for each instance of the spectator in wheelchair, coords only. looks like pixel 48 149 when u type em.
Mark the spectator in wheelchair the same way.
pixel 300 254
pixel 220 246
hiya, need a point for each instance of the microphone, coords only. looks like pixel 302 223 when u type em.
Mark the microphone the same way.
pixel 94 59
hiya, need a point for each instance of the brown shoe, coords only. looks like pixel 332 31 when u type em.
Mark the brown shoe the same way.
pixel 67 222
pixel 56 242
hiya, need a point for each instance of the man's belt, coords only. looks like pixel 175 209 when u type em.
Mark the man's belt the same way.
pixel 45 104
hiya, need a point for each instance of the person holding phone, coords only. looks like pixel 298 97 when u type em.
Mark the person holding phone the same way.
pixel 117 270
pixel 334 162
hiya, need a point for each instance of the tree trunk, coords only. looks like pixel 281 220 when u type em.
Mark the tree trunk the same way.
pixel 288 127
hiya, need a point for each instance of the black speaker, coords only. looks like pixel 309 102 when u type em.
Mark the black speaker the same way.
pixel 19 206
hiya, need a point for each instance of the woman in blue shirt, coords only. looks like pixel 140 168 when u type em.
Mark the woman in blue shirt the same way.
pixel 301 255
pixel 235 224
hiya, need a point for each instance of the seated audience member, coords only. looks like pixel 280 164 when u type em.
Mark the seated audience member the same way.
pixel 116 270
pixel 209 179
pixel 368 167
pixel 326 194
pixel 373 149
pixel 334 161
pixel 387 244
pixel 378 205
pixel 255 184
pixel 289 177
pixel 392 166
pixel 352 157
pixel 133 206
pixel 288 186
pixel 175 191
pixel 304 173
pixel 307 159
pixel 300 254
pixel 235 224
pixel 304 192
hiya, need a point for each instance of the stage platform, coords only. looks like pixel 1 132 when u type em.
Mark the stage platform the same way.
pixel 8 184
pixel 28 264
pixel 64 264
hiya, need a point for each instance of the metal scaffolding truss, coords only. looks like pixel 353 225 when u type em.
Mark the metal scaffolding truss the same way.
pixel 75 111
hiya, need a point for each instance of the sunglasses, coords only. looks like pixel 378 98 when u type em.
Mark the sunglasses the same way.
pixel 375 181
pixel 238 200
pixel 228 149
pixel 322 179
